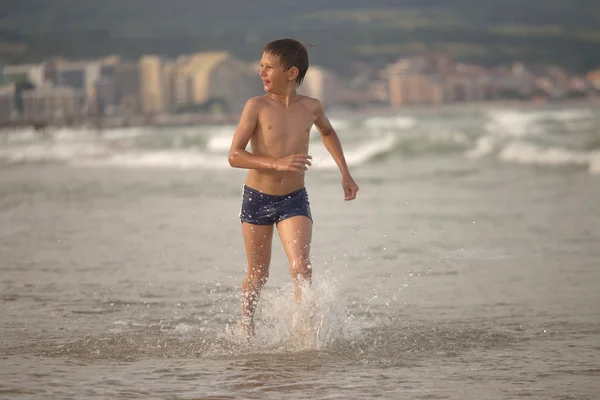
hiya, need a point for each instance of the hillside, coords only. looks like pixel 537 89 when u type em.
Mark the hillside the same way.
pixel 563 32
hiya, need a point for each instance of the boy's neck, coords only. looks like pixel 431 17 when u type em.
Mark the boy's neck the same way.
pixel 287 98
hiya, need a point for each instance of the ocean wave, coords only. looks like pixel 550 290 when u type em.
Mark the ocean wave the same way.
pixel 550 138
pixel 220 141
pixel 190 152
pixel 390 123
pixel 509 135
pixel 518 123
pixel 158 159
pixel 484 146
pixel 67 134
pixel 357 154
pixel 52 152
pixel 529 153
pixel 510 122
pixel 19 135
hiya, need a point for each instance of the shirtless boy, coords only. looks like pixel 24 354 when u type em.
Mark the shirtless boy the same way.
pixel 277 125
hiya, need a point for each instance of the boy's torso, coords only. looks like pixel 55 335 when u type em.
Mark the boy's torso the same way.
pixel 280 132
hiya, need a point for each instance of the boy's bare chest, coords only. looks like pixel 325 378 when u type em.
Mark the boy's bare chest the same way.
pixel 290 122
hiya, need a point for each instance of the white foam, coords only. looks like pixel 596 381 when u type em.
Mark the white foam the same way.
pixel 46 152
pixel 570 115
pixel 19 135
pixel 483 147
pixel 517 123
pixel 220 142
pixel 67 136
pixel 160 159
pixel 356 154
pixel 511 122
pixel 390 123
pixel 339 124
pixel 124 133
pixel 528 153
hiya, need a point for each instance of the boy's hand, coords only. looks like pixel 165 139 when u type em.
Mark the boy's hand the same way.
pixel 350 187
pixel 293 162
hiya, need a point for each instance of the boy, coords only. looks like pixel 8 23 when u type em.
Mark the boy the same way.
pixel 277 125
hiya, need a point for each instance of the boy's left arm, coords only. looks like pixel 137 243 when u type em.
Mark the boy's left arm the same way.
pixel 334 147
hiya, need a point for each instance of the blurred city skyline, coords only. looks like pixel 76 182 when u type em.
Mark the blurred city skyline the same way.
pixel 564 33
pixel 64 62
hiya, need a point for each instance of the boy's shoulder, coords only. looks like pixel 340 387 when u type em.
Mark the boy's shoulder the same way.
pixel 256 100
pixel 308 99
pixel 312 103
pixel 255 104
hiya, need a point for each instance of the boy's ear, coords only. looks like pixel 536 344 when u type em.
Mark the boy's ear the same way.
pixel 293 73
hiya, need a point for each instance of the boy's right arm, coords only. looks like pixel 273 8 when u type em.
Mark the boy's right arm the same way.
pixel 240 158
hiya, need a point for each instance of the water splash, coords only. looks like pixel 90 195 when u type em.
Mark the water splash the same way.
pixel 285 325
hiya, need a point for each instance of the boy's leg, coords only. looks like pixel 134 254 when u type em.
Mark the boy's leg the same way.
pixel 257 240
pixel 296 234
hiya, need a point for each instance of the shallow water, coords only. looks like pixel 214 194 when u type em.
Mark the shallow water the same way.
pixel 468 268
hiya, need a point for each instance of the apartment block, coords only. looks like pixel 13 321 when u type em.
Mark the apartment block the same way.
pixel 7 103
pixel 415 89
pixel 127 79
pixel 151 85
pixel 33 73
pixel 321 84
pixel 464 88
pixel 51 104
pixel 82 78
pixel 211 79
pixel 594 78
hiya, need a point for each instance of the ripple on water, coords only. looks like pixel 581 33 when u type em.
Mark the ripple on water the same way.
pixel 394 344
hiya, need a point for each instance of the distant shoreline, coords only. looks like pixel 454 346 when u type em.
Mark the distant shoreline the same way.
pixel 174 120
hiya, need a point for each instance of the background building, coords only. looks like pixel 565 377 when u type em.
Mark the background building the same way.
pixel 211 81
pixel 7 103
pixel 463 88
pixel 127 87
pixel 322 84
pixel 51 104
pixel 82 77
pixel 105 87
pixel 151 85
pixel 594 78
pixel 415 89
pixel 33 73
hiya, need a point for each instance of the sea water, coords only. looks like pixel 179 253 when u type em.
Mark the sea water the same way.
pixel 468 267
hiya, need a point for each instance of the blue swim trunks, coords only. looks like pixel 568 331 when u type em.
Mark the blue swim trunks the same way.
pixel 259 208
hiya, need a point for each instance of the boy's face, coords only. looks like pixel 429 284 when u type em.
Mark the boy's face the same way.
pixel 274 78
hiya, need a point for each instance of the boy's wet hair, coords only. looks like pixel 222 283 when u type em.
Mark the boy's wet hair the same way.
pixel 292 53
